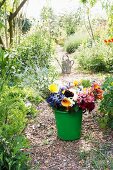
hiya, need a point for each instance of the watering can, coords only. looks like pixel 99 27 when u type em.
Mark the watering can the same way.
pixel 66 64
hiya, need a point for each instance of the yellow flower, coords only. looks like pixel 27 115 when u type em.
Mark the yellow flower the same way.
pixel 75 83
pixel 66 102
pixel 111 83
pixel 53 88
pixel 84 90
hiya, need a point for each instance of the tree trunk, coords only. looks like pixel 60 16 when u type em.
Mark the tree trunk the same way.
pixel 2 44
pixel 11 18
pixel 91 28
pixel 11 31
pixel 6 29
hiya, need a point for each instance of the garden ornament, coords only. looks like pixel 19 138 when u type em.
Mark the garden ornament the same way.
pixel 66 64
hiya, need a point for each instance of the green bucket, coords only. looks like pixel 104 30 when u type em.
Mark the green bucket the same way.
pixel 68 124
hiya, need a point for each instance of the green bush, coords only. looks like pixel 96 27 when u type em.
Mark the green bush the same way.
pixel 12 154
pixel 106 105
pixel 86 83
pixel 8 64
pixel 97 64
pixel 70 22
pixel 36 49
pixel 74 41
pixel 14 111
pixel 40 79
pixel 16 106
pixel 95 58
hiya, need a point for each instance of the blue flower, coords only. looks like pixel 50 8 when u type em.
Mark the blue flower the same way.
pixel 55 99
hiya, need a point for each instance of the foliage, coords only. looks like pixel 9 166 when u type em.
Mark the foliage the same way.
pixel 91 2
pixel 12 154
pixel 40 79
pixel 86 83
pixel 15 108
pixel 74 97
pixel 35 49
pixel 50 22
pixel 70 22
pixel 10 20
pixel 96 58
pixel 12 108
pixel 106 105
pixel 74 41
pixel 7 69
pixel 26 25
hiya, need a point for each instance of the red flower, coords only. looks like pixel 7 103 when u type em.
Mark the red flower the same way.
pixel 109 41
pixel 105 41
pixel 96 86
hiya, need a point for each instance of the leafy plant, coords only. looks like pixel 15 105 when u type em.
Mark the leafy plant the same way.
pixel 12 154
pixel 96 58
pixel 16 106
pixel 40 79
pixel 12 108
pixel 26 25
pixel 86 83
pixel 36 49
pixel 106 105
pixel 70 22
pixel 74 41
pixel 7 69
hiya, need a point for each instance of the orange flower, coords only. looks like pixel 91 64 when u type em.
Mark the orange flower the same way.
pixel 96 86
pixel 112 40
pixel 99 96
pixel 99 90
pixel 66 102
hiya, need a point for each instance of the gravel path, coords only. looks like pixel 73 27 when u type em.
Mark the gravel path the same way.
pixel 50 153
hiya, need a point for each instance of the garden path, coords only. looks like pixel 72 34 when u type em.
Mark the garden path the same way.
pixel 50 153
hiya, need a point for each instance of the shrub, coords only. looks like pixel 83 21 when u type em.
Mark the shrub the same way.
pixel 36 49
pixel 106 105
pixel 12 156
pixel 86 83
pixel 74 41
pixel 70 22
pixel 40 79
pixel 97 64
pixel 94 58
pixel 14 113
pixel 12 108
pixel 7 69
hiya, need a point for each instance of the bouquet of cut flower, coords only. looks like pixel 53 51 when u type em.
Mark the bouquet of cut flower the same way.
pixel 73 97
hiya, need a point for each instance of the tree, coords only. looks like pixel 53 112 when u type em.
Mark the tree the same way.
pixel 88 4
pixel 10 11
pixel 11 18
